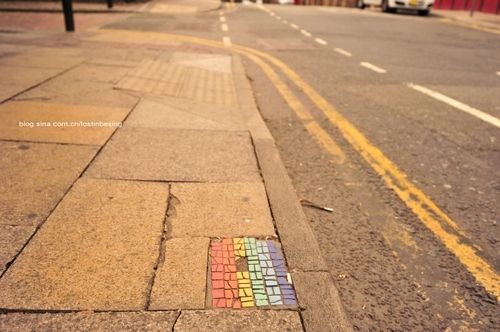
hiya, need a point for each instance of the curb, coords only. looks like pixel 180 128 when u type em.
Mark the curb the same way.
pixel 318 297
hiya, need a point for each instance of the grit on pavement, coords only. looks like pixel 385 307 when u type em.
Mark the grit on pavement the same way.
pixel 141 190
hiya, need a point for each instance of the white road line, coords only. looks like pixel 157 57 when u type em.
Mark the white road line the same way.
pixel 498 73
pixel 295 26
pixel 278 17
pixel 373 67
pixel 227 41
pixel 285 21
pixel 272 14
pixel 222 19
pixel 458 105
pixel 305 33
pixel 224 27
pixel 320 41
pixel 221 13
pixel 342 51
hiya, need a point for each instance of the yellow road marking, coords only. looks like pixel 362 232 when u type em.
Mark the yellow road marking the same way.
pixel 427 211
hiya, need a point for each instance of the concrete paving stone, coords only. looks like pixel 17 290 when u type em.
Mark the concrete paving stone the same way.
pixel 64 90
pixel 15 80
pixel 238 320
pixel 12 240
pixel 89 321
pixel 45 57
pixel 97 73
pixel 221 210
pixel 181 280
pixel 96 251
pixel 318 296
pixel 215 62
pixel 12 113
pixel 177 155
pixel 177 113
pixel 35 177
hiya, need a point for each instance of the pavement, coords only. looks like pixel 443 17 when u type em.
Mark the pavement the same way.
pixel 141 189
pixel 485 21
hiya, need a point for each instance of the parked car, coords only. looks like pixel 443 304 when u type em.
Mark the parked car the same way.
pixel 423 7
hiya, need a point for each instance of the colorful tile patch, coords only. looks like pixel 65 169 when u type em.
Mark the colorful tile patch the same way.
pixel 247 272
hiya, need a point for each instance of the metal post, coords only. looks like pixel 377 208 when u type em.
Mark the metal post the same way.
pixel 110 4
pixel 68 15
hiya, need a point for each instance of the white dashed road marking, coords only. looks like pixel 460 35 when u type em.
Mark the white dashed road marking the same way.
pixel 222 19
pixel 295 26
pixel 224 27
pixel 458 105
pixel 305 33
pixel 227 41
pixel 342 51
pixel 373 67
pixel 320 41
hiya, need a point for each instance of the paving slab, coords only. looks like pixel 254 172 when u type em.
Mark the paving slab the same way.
pixel 96 251
pixel 176 113
pixel 177 155
pixel 15 80
pixel 89 321
pixel 161 78
pixel 214 62
pixel 64 90
pixel 12 240
pixel 46 57
pixel 181 280
pixel 221 210
pixel 35 177
pixel 103 73
pixel 59 123
pixel 238 320
pixel 320 300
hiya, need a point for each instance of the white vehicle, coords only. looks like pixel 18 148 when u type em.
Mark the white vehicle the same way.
pixel 423 7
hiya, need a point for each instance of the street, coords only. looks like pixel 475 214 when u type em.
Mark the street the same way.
pixel 393 273
pixel 338 163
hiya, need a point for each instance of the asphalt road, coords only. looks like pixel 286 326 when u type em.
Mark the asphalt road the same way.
pixel 393 273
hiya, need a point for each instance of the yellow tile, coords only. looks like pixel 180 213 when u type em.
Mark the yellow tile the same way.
pixel 248 292
pixel 241 293
pixel 239 275
pixel 247 299
pixel 246 275
pixel 247 304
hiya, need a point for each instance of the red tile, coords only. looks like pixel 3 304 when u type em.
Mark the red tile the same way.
pixel 221 303
pixel 217 284
pixel 237 304
pixel 217 293
pixel 227 241
pixel 229 268
pixel 233 284
pixel 228 294
pixel 217 276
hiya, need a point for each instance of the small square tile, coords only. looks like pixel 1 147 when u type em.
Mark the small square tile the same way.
pixel 217 293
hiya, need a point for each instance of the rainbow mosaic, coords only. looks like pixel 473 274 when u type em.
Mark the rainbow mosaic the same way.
pixel 247 272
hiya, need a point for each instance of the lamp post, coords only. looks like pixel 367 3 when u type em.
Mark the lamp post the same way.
pixel 69 22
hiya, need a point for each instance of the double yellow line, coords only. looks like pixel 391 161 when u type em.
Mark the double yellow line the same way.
pixel 436 220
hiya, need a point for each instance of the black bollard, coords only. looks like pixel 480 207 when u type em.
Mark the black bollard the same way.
pixel 68 15
pixel 110 4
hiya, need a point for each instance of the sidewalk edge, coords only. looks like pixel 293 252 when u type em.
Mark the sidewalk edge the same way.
pixel 316 291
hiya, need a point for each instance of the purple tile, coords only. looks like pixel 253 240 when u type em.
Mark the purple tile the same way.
pixel 282 281
pixel 289 302
pixel 287 291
